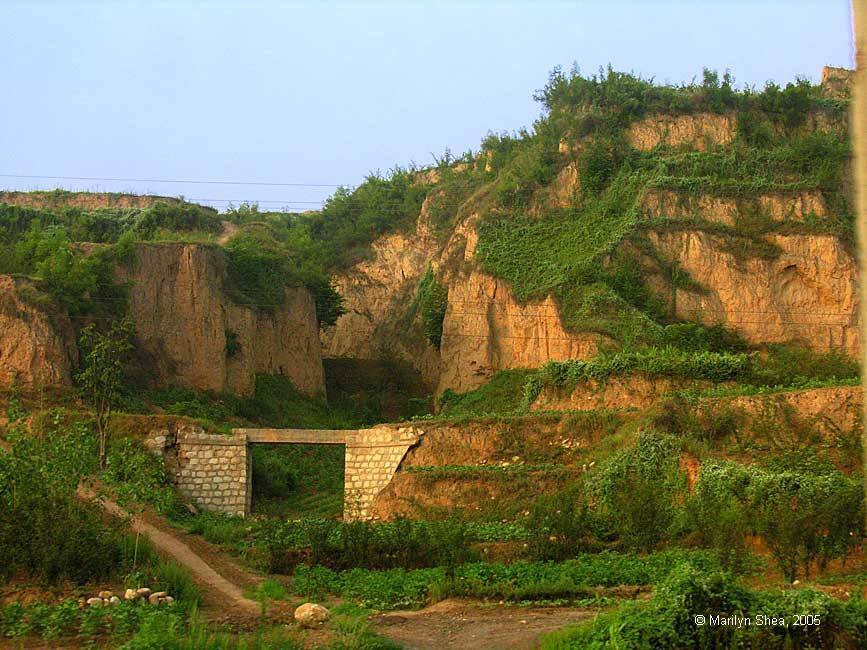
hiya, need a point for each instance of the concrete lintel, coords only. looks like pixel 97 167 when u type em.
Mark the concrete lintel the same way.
pixel 216 442
pixel 374 445
pixel 296 436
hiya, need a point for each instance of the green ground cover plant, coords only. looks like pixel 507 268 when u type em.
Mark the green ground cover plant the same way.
pixel 668 619
pixel 242 533
pixel 68 620
pixel 396 588
pixel 692 352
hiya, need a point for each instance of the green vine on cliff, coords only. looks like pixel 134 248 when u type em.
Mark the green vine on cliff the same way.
pixel 432 304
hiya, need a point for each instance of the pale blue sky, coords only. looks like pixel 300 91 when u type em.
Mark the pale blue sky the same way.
pixel 325 92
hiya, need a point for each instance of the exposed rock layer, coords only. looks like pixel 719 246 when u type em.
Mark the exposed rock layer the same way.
pixel 184 317
pixel 37 345
pixel 83 200
pixel 807 294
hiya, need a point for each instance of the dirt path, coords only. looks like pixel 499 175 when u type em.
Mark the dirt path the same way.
pixel 230 229
pixel 471 626
pixel 170 543
pixel 466 625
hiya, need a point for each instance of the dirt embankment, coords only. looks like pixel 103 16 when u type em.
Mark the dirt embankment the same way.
pixel 493 464
pixel 83 200
pixel 37 343
pixel 618 392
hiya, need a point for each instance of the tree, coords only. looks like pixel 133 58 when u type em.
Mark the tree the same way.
pixel 101 372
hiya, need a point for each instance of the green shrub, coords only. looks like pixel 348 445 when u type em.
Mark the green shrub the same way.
pixel 639 490
pixel 661 362
pixel 599 162
pixel 432 302
pixel 137 476
pixel 788 365
pixel 395 588
pixel 559 526
pixel 668 620
pixel 38 483
pixel 803 518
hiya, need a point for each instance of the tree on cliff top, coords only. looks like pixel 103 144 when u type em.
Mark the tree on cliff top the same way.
pixel 101 373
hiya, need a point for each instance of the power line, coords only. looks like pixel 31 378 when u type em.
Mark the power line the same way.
pixel 283 201
pixel 172 180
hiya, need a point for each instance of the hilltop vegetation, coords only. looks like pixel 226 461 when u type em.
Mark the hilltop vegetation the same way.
pixel 45 244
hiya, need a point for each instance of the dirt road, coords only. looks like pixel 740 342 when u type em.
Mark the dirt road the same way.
pixel 467 625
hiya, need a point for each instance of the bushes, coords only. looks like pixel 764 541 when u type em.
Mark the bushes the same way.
pixel 668 620
pixel 598 163
pixel 560 526
pixel 788 365
pixel 401 543
pixel 45 530
pixel 624 97
pixel 136 476
pixel 661 362
pixel 637 490
pixel 108 225
pixel 351 220
pixel 803 518
pixel 79 282
pixel 176 217
pixel 432 300
pixel 257 271
pixel 519 581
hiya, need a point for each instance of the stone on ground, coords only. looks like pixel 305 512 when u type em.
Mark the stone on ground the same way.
pixel 311 615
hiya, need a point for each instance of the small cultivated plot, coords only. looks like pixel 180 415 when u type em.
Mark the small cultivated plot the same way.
pixel 576 579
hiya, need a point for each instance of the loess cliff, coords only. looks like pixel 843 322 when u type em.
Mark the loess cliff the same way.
pixel 759 252
pixel 185 317
pixel 190 331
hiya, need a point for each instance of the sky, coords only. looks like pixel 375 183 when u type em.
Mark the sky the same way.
pixel 318 94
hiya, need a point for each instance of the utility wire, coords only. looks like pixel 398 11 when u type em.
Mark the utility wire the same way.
pixel 171 180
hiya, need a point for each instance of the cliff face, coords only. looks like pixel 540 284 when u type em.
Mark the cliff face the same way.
pixel 184 318
pixel 762 258
pixel 37 347
pixel 807 294
pixel 486 330
pixel 378 294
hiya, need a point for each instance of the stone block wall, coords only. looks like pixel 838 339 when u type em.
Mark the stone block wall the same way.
pixel 212 471
pixel 372 458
